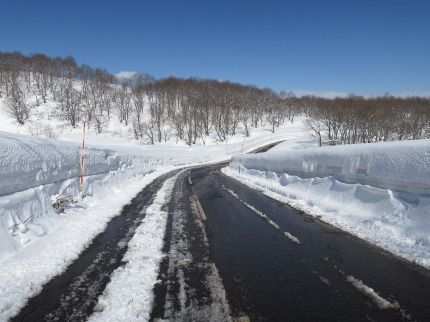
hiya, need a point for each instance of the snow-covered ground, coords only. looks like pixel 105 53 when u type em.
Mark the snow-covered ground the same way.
pixel 36 242
pixel 379 192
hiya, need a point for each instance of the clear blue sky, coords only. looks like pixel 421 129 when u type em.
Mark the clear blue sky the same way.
pixel 363 46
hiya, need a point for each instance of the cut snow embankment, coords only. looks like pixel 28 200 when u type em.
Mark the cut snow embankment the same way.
pixel 378 192
pixel 32 171
pixel 27 162
pixel 400 166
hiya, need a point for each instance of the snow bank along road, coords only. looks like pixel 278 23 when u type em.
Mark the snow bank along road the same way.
pixel 217 250
pixel 27 162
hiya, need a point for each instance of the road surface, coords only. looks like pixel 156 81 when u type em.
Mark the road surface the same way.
pixel 278 264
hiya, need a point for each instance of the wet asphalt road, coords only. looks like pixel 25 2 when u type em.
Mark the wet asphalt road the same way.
pixel 269 277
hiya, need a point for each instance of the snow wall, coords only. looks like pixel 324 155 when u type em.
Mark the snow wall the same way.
pixel 27 162
pixel 400 166
pixel 34 170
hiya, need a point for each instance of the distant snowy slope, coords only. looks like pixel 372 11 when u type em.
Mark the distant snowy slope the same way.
pixel 27 162
pixel 401 166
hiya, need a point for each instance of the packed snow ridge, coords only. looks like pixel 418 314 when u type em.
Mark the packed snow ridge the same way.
pixel 379 192
pixel 400 166
pixel 27 162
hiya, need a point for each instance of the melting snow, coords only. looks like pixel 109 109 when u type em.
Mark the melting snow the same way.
pixel 369 292
pixel 294 239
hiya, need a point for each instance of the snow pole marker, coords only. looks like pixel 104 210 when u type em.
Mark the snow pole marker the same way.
pixel 81 178
pixel 241 152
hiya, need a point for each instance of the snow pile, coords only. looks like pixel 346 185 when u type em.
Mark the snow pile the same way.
pixel 27 162
pixel 401 166
pixel 378 192
pixel 34 170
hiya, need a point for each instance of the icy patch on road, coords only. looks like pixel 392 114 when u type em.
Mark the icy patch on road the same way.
pixel 375 297
pixel 294 239
pixel 129 295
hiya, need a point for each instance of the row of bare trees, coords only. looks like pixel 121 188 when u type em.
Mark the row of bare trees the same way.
pixel 190 108
pixel 193 108
pixel 80 92
pixel 355 119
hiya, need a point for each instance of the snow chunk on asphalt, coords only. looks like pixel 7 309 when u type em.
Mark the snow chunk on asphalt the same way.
pixel 294 239
pixel 375 297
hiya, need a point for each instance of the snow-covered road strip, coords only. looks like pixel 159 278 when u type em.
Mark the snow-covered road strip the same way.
pixel 129 296
pixel 39 262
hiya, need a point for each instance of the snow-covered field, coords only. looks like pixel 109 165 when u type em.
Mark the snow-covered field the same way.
pixel 379 192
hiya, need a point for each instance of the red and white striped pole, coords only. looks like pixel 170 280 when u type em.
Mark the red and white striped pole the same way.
pixel 241 152
pixel 81 179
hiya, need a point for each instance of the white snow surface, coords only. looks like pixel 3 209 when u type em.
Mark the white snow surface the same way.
pixel 27 162
pixel 401 166
pixel 378 192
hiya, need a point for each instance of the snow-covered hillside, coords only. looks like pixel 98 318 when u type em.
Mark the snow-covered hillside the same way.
pixel 379 192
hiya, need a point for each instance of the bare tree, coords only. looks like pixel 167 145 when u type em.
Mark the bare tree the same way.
pixel 315 128
pixel 70 103
pixel 16 105
pixel 123 100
